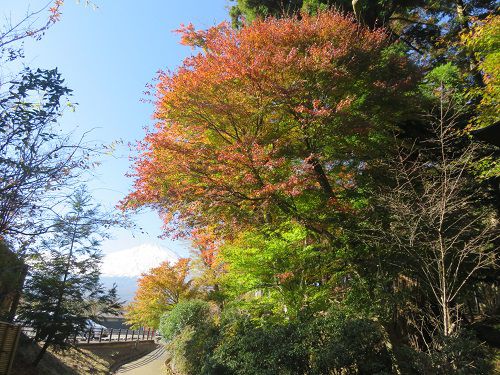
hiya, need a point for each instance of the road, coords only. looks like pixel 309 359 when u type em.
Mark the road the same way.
pixel 150 364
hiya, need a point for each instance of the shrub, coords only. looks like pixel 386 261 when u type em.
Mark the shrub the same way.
pixel 186 313
pixel 461 354
pixel 249 347
pixel 190 331
pixel 339 343
pixel 328 344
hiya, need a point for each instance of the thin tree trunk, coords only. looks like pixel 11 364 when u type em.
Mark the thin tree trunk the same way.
pixel 42 351
pixel 446 317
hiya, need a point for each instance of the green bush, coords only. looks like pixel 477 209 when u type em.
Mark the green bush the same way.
pixel 338 343
pixel 11 275
pixel 249 347
pixel 190 331
pixel 193 313
pixel 461 354
pixel 328 344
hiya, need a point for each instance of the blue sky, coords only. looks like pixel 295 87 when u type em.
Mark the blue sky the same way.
pixel 107 56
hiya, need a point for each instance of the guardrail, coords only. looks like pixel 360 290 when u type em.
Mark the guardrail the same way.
pixel 105 335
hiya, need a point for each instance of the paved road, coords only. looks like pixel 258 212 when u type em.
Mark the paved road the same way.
pixel 150 364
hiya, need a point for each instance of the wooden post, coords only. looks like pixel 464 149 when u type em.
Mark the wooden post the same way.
pixel 100 336
pixel 110 334
pixel 126 334
pixel 119 333
pixel 88 335
pixel 132 335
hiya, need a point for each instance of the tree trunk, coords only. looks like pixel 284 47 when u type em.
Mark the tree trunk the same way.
pixel 42 351
pixel 447 326
pixel 461 14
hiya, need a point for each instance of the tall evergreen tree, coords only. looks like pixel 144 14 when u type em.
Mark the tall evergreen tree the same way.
pixel 63 287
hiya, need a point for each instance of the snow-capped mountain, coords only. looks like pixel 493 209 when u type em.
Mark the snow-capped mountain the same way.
pixel 124 267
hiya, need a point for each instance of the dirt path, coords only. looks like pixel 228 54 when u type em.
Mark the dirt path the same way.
pixel 150 364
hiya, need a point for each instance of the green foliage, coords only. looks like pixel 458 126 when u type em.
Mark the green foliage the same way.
pixel 461 354
pixel 444 77
pixel 314 6
pixel 193 313
pixel 190 331
pixel 488 167
pixel 326 344
pixel 339 342
pixel 332 342
pixel 444 85
pixel 249 10
pixel 276 270
pixel 63 284
pixel 484 42
pixel 251 348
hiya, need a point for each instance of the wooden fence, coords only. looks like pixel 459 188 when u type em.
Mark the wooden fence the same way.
pixel 9 337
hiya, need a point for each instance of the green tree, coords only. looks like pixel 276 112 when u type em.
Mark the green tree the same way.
pixel 63 284
pixel 484 42
pixel 284 271
pixel 35 159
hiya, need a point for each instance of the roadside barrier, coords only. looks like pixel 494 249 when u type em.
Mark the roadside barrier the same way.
pixel 105 335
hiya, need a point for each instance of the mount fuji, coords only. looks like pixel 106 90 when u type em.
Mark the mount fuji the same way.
pixel 124 267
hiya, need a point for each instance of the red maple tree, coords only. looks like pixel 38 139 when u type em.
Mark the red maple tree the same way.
pixel 277 120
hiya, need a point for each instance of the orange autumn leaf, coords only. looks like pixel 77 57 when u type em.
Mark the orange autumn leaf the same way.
pixel 275 120
pixel 158 291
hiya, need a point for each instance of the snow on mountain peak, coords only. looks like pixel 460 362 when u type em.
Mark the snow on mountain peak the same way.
pixel 134 261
